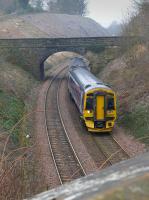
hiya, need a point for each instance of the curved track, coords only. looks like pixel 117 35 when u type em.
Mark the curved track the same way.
pixel 111 149
pixel 103 148
pixel 66 162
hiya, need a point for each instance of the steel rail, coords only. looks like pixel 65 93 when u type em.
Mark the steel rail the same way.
pixel 120 146
pixel 66 132
pixel 108 161
pixel 47 132
pixel 63 125
pixel 119 149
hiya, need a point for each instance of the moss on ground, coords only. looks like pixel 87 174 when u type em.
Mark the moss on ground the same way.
pixel 12 110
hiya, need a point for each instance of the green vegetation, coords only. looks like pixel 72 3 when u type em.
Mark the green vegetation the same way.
pixel 10 6
pixel 11 111
pixel 23 3
pixel 137 122
pixel 17 97
pixel 71 7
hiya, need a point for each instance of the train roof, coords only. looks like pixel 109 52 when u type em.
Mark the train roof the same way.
pixel 78 62
pixel 87 80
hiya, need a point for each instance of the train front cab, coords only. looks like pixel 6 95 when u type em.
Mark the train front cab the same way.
pixel 99 110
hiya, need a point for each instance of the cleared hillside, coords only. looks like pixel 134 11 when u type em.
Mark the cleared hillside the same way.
pixel 49 25
pixel 62 25
pixel 15 27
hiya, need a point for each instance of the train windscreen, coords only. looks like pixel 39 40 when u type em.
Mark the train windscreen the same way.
pixel 110 102
pixel 89 103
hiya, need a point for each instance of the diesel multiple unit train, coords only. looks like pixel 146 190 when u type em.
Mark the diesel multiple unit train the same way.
pixel 95 100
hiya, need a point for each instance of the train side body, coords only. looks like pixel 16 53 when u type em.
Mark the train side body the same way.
pixel 95 100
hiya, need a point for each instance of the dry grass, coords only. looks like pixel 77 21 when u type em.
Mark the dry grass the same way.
pixel 128 76
pixel 130 82
pixel 12 168
pixel 98 61
pixel 19 175
pixel 12 175
pixel 15 80
pixel 17 162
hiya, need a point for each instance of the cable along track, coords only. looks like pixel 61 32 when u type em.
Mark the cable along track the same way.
pixel 67 163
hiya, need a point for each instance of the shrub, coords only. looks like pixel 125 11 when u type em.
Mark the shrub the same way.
pixel 137 122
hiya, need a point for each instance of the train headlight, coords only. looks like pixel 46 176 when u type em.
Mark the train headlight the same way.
pixel 110 112
pixel 88 111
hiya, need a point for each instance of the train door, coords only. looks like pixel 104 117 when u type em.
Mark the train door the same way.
pixel 100 113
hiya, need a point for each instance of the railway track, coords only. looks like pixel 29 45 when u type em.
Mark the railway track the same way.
pixel 111 149
pixel 103 148
pixel 65 159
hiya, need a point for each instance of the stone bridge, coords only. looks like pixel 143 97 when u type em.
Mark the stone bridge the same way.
pixel 31 53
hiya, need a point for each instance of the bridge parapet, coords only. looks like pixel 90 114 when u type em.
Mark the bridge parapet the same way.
pixel 126 180
pixel 58 42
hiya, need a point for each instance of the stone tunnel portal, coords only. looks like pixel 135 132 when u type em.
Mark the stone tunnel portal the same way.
pixel 55 60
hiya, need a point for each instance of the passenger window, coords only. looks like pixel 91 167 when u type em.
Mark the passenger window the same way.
pixel 110 104
pixel 89 104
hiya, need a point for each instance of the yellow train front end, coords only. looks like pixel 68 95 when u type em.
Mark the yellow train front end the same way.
pixel 99 111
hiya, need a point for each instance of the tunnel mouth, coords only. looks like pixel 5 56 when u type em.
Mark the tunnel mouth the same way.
pixel 54 61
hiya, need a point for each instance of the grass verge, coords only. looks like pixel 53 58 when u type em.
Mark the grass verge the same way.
pixel 15 153
pixel 11 111
pixel 137 122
